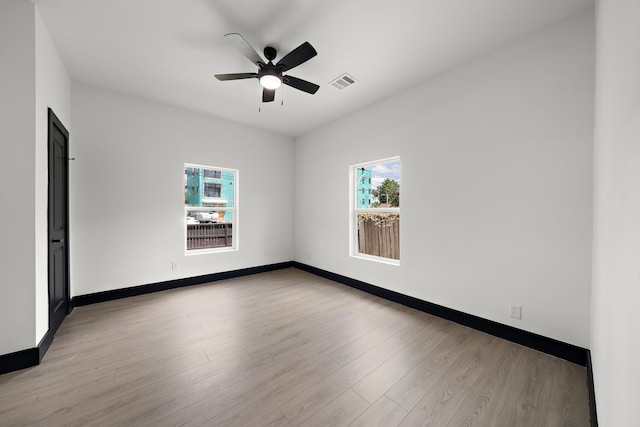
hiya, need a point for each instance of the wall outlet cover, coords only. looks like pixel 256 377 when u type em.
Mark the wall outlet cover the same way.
pixel 515 311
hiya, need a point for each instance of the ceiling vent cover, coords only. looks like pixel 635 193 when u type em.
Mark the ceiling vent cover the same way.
pixel 343 82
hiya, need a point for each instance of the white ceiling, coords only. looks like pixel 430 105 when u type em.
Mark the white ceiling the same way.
pixel 169 50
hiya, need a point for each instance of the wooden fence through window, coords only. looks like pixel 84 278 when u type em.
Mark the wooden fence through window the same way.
pixel 205 236
pixel 379 234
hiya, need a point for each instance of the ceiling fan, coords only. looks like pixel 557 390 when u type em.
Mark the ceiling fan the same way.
pixel 270 74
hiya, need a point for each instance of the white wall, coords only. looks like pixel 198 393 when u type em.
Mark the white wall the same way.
pixel 496 185
pixel 17 177
pixel 616 286
pixel 127 191
pixel 53 90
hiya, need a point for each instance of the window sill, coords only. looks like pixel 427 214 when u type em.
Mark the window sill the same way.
pixel 381 260
pixel 210 251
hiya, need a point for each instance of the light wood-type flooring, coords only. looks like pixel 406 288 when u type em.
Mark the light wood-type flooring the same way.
pixel 285 348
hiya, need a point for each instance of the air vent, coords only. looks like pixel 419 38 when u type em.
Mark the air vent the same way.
pixel 343 82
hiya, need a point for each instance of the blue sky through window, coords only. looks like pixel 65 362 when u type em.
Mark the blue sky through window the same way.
pixel 380 171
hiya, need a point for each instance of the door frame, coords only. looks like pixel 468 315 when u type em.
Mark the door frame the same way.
pixel 55 123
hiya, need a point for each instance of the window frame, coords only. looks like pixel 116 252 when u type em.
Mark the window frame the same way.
pixel 354 210
pixel 235 240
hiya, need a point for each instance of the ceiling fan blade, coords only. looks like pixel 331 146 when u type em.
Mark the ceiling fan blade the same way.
pixel 268 95
pixel 243 46
pixel 297 56
pixel 235 76
pixel 300 84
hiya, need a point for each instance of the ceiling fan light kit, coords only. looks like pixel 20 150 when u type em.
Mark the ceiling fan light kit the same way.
pixel 270 75
pixel 269 81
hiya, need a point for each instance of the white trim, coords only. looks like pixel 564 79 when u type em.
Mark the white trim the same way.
pixel 215 168
pixel 376 162
pixel 208 250
pixel 377 210
pixel 208 208
pixel 379 259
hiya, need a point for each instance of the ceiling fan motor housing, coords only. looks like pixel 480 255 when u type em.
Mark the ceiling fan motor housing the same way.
pixel 270 70
pixel 270 53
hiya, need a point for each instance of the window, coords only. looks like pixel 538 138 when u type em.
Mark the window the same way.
pixel 211 189
pixel 210 208
pixel 375 221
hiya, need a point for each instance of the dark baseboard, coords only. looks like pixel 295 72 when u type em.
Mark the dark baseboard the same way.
pixel 44 344
pixel 19 360
pixel 98 297
pixel 26 358
pixel 541 343
pixel 593 414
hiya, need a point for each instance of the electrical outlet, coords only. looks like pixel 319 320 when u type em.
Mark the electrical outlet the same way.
pixel 515 311
pixel 174 265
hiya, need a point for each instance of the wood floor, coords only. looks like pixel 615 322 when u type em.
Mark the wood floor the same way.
pixel 285 348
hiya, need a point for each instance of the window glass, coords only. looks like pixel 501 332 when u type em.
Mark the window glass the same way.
pixel 210 208
pixel 376 219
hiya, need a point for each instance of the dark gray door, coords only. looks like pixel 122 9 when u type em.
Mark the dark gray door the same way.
pixel 58 222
